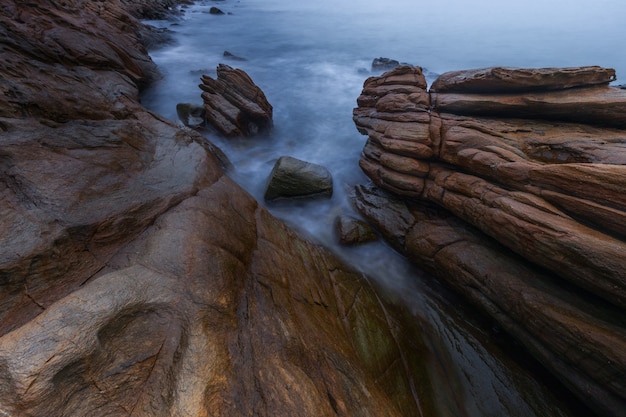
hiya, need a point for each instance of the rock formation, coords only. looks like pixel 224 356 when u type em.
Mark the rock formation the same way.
pixel 512 184
pixel 137 279
pixel 234 105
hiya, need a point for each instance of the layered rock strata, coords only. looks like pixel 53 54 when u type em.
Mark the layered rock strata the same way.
pixel 234 105
pixel 531 222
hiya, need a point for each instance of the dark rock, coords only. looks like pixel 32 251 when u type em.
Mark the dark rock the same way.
pixel 384 64
pixel 515 80
pixel 291 178
pixel 215 10
pixel 352 231
pixel 191 115
pixel 233 57
pixel 153 38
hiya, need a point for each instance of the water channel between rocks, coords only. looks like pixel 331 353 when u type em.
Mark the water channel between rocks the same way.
pixel 311 60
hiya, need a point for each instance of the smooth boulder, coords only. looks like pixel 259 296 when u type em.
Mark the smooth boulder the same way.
pixel 294 178
pixel 190 115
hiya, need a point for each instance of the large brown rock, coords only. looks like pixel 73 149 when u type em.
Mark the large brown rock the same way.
pixel 505 150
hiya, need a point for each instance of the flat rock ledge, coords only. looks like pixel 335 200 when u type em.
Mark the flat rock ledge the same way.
pixel 509 185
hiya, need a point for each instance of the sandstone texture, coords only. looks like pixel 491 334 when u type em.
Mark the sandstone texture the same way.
pixel 234 105
pixel 509 185
pixel 136 279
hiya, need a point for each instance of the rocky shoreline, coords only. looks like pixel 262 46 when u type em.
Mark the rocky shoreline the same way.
pixel 137 279
pixel 517 205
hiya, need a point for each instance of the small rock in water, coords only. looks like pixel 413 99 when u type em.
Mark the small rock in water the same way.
pixel 293 178
pixel 191 115
pixel 215 10
pixel 385 64
pixel 233 57
pixel 353 231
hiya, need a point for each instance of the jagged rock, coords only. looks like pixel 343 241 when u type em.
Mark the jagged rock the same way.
pixel 352 231
pixel 234 105
pixel 215 10
pixel 505 151
pixel 293 178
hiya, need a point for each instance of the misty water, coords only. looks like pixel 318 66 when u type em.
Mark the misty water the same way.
pixel 310 59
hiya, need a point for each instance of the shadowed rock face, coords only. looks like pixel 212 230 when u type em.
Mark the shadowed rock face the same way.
pixel 530 219
pixel 137 279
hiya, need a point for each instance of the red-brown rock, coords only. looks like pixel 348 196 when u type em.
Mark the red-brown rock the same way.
pixel 136 279
pixel 234 105
pixel 512 80
pixel 506 151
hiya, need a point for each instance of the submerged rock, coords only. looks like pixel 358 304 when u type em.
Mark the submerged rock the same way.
pixel 293 178
pixel 233 57
pixel 531 224
pixel 234 105
pixel 190 115
pixel 384 64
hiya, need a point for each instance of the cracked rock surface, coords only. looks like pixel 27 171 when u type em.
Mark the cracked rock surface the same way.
pixel 512 185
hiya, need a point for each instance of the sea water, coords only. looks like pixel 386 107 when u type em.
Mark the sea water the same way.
pixel 311 58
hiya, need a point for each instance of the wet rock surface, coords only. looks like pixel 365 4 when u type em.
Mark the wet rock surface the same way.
pixel 294 178
pixel 353 231
pixel 234 105
pixel 512 200
pixel 137 279
pixel 191 115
